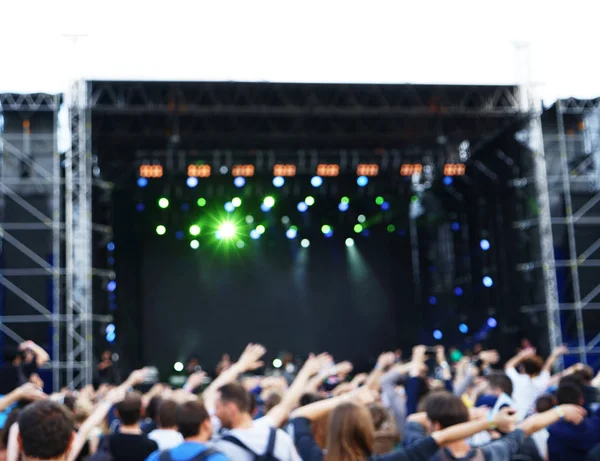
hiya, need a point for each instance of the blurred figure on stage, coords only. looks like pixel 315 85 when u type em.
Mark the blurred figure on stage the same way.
pixel 107 370
pixel 223 364
pixel 21 365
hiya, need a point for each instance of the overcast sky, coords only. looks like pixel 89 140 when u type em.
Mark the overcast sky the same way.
pixel 446 41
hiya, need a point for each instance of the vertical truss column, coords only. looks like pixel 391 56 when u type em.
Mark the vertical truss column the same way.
pixel 57 200
pixel 78 235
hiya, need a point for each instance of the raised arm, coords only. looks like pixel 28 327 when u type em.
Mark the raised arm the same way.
pixel 25 392
pixel 515 361
pixel 315 410
pixel 554 356
pixel 384 361
pixel 503 421
pixel 571 413
pixel 41 356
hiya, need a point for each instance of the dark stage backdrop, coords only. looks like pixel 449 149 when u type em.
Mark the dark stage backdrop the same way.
pixel 351 302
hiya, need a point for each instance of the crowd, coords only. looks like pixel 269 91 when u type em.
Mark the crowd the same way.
pixel 422 409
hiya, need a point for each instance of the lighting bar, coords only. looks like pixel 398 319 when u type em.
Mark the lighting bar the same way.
pixel 198 171
pixel 408 169
pixel 367 169
pixel 454 169
pixel 328 169
pixel 242 170
pixel 284 170
pixel 151 171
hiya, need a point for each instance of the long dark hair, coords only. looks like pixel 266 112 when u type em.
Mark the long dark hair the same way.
pixel 351 433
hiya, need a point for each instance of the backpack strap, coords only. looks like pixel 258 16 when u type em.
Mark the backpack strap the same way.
pixel 271 443
pixel 204 455
pixel 237 442
pixel 165 456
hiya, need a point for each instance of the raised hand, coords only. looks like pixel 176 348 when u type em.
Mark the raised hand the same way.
pixel 314 364
pixel 386 360
pixel 419 353
pixel 195 380
pixel 30 391
pixel 573 413
pixel 506 420
pixel 364 395
pixel 359 379
pixel 492 357
pixel 137 377
pixel 560 350
pixel 343 368
pixel 116 395
pixel 250 358
pixel 440 354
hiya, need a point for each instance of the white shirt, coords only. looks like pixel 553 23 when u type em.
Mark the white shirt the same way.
pixel 166 438
pixel 541 442
pixel 526 390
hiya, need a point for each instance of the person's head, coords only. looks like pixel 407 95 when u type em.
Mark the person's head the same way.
pixel 569 392
pixel 167 412
pixel 152 408
pixel 70 401
pixel 444 410
pixel 232 404
pixel 379 415
pixel 129 409
pixel 272 400
pixel 500 383
pixel 46 430
pixel 532 366
pixel 351 433
pixel 193 421
pixel 544 403
pixel 586 374
pixel 106 355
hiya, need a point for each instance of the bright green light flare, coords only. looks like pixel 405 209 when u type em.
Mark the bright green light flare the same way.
pixel 195 230
pixel 269 201
pixel 236 201
pixel 358 228
pixel 379 200
pixel 163 202
pixel 201 202
pixel 227 230
pixel 260 229
pixel 161 230
pixel 326 229
pixel 310 201
pixel 345 200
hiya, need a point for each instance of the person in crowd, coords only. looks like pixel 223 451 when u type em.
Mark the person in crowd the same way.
pixel 544 403
pixel 223 364
pixel 532 379
pixel 569 442
pixel 23 362
pixel 166 436
pixel 107 370
pixel 46 431
pixel 194 425
pixel 150 422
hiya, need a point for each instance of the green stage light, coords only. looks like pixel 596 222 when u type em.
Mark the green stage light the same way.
pixel 379 200
pixel 391 228
pixel 361 218
pixel 294 228
pixel 310 201
pixel 201 202
pixel 236 201
pixel 326 229
pixel 358 228
pixel 161 230
pixel 345 200
pixel 349 242
pixel 260 229
pixel 195 230
pixel 269 201
pixel 240 244
pixel 227 230
pixel 305 243
pixel 163 202
pixel 194 244
pixel 249 219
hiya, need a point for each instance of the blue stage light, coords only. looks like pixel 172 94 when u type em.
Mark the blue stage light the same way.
pixel 142 182
pixel 329 234
pixel 111 286
pixel 432 300
pixel 362 181
pixel 458 291
pixel 487 281
pixel 437 334
pixel 492 323
pixel 179 235
pixel 192 181
pixel 110 246
pixel 302 207
pixel 229 207
pixel 448 180
pixel 463 328
pixel 385 206
pixel 239 181
pixel 484 244
pixel 254 234
pixel 343 207
pixel 140 207
pixel 291 233
pixel 111 337
pixel 278 181
pixel 316 181
pixel 265 207
pixel 455 226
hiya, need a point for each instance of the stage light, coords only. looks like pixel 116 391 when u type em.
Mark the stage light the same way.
pixel 362 181
pixel 178 366
pixel 291 234
pixel 239 181
pixel 343 206
pixel 358 228
pixel 329 234
pixel 302 207
pixel 224 170
pixel 185 207
pixel 260 229
pixel 463 328
pixel 344 200
pixel 325 169
pixel 254 234
pixel 240 244
pixel 198 171
pixel 349 242
pixel 391 228
pixel 447 180
pixel 432 300
pixel 285 220
pixel 277 363
pixel 140 207
pixel 361 218
pixel 111 261
pixel 278 181
pixel 487 281
pixel 161 230
pixel 316 181
pixel 366 233
pixel 194 230
pixel 484 244
pixel 458 291
pixel 110 246
pixel 269 202
pixel 265 208
pixel 455 226
pixel 414 199
pixel 249 219
pixel 179 235
pixel 379 200
pixel 437 334
pixel 236 201
pixel 310 201
pixel 492 323
pixel 325 229
pixel 385 206
pixel 192 181
pixel 367 169
pixel 151 171
pixel 305 243
pixel 201 202
pixel 163 202
pixel 229 207
pixel 110 337
pixel 111 286
pixel 285 170
pixel 242 170
pixel 194 244
pixel 142 182
pixel 110 328
pixel 409 169
pixel 227 230
pixel 454 169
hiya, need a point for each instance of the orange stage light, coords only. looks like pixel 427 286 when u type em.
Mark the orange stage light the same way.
pixel 328 169
pixel 151 171
pixel 198 171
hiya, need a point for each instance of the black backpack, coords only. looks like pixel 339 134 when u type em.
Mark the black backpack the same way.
pixel 202 456
pixel 266 456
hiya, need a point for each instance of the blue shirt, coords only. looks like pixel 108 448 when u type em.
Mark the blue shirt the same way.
pixel 570 442
pixel 186 451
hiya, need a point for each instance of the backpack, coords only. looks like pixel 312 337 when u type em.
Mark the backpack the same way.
pixel 103 453
pixel 202 456
pixel 266 456
pixel 479 456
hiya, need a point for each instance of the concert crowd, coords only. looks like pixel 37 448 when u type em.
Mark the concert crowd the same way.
pixel 428 407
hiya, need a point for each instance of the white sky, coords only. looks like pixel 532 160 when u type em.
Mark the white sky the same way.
pixel 417 41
